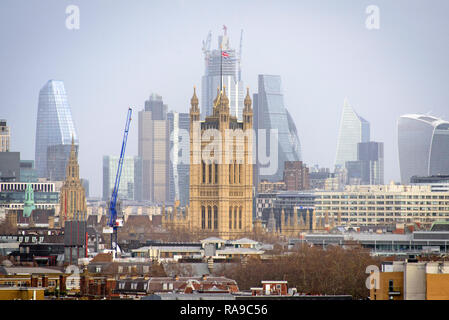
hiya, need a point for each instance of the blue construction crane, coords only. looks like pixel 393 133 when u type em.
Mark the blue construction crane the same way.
pixel 113 223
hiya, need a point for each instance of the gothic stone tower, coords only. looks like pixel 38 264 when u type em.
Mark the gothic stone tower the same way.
pixel 72 196
pixel 221 170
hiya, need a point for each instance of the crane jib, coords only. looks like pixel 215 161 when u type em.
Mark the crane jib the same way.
pixel 113 203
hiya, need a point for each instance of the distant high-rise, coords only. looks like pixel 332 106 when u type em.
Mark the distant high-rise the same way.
pixel 369 166
pixel 179 128
pixel 223 70
pixel 5 138
pixel 27 171
pixel 130 186
pixel 423 144
pixel 153 149
pixel 270 112
pixel 296 176
pixel 353 129
pixel 54 131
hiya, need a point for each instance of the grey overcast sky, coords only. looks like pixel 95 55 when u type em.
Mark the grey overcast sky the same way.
pixel 126 50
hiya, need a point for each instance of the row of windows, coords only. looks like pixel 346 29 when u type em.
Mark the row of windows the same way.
pixel 209 173
pixel 209 217
pixel 383 197
pixel 385 202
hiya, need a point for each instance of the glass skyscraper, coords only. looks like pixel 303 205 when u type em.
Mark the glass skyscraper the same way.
pixel 54 131
pixel 222 70
pixel 423 144
pixel 179 169
pixel 369 167
pixel 130 180
pixel 353 130
pixel 270 113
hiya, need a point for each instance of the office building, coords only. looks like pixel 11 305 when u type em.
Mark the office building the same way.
pixel 371 205
pixel 296 176
pixel 299 202
pixel 5 137
pixel 27 171
pixel 222 70
pixel 9 166
pixel 130 179
pixel 318 176
pixel 423 143
pixel 153 150
pixel 270 113
pixel 437 183
pixel 179 128
pixel 369 166
pixel 353 130
pixel 45 194
pixel 54 131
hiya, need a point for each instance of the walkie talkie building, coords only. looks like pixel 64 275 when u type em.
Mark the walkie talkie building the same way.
pixel 423 144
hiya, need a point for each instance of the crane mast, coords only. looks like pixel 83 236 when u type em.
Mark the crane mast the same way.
pixel 112 205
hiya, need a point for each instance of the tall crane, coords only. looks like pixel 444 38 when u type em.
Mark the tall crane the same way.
pixel 113 223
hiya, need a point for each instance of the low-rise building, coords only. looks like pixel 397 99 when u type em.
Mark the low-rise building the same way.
pixel 378 205
pixel 411 280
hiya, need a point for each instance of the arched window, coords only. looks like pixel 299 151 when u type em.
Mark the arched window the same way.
pixel 203 171
pixel 240 218
pixel 210 172
pixel 209 217
pixel 216 173
pixel 215 217
pixel 240 173
pixel 203 217
pixel 230 218
pixel 235 218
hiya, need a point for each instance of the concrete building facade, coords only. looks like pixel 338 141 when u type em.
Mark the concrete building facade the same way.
pixel 378 205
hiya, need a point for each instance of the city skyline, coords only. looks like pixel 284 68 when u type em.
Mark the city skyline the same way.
pixel 385 86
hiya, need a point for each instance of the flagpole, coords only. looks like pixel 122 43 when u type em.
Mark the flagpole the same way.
pixel 221 67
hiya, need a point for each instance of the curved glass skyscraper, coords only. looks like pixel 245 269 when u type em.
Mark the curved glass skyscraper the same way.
pixel 270 113
pixel 54 131
pixel 423 144
pixel 353 130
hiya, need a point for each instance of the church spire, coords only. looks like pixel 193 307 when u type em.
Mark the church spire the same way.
pixel 194 110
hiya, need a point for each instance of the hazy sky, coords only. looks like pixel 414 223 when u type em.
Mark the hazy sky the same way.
pixel 125 50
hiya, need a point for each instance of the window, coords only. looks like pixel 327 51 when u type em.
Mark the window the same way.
pixel 121 285
pixel 390 285
pixel 210 173
pixel 240 218
pixel 209 217
pixel 203 217
pixel 203 171
pixel 215 217
pixel 230 217
pixel 216 173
